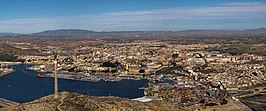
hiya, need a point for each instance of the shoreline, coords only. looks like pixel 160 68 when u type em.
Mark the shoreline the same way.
pixel 7 70
pixel 93 80
pixel 7 73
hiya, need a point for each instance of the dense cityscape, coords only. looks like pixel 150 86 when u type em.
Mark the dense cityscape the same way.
pixel 133 55
pixel 194 76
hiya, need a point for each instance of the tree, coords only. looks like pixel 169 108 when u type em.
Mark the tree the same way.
pixel 141 71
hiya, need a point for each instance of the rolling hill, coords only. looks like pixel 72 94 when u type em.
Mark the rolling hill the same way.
pixel 77 102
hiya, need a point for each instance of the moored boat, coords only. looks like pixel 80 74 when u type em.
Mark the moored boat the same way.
pixel 41 76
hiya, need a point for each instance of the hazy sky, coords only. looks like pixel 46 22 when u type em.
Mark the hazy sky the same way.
pixel 28 16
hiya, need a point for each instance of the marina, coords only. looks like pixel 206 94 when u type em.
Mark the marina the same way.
pixel 89 77
pixel 22 85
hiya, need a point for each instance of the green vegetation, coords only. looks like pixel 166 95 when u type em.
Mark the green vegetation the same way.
pixel 6 57
pixel 241 48
pixel 163 70
pixel 109 64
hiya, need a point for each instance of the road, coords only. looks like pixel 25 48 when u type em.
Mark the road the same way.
pixel 62 97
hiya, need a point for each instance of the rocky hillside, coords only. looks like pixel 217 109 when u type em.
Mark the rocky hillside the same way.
pixel 256 102
pixel 7 49
pixel 77 102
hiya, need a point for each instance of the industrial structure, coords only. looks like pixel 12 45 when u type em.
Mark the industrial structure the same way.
pixel 55 77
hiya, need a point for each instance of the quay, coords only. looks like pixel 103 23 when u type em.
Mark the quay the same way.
pixel 6 103
pixel 5 69
pixel 9 63
pixel 4 72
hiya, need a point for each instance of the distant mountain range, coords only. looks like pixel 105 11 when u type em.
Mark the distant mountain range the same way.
pixel 9 34
pixel 80 32
pixel 64 32
pixel 260 29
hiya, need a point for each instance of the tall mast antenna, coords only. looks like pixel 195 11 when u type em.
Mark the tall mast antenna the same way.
pixel 55 76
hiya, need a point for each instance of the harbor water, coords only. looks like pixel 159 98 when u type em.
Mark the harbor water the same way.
pixel 22 86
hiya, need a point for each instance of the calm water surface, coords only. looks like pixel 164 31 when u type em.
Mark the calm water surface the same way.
pixel 23 86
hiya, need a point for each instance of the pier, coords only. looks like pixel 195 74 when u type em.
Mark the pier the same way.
pixel 6 67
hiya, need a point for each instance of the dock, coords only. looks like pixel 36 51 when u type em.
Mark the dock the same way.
pixel 6 103
pixel 4 72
